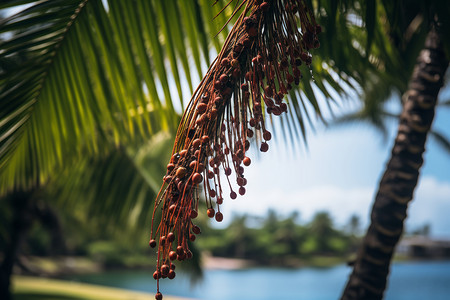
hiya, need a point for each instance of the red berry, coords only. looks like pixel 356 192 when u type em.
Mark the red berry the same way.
pixel 210 212
pixel 197 178
pixel 171 237
pixel 196 229
pixel 201 108
pixel 247 161
pixel 228 171
pixel 152 243
pixel 170 167
pixel 242 191
pixel 180 172
pixel 171 274
pixel 264 147
pixel 172 255
pixel 205 139
pixel 225 62
pixel 267 136
pixel 156 275
pixel 264 6
pixel 223 78
pixel 219 216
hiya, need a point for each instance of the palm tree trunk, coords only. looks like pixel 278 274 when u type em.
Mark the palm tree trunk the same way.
pixel 21 220
pixel 371 268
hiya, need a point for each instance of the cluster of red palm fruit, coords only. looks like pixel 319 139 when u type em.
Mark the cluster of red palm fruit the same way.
pixel 256 68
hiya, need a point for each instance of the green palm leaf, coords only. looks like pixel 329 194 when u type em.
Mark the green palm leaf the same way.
pixel 78 76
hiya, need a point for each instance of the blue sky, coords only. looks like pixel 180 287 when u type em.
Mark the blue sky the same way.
pixel 340 172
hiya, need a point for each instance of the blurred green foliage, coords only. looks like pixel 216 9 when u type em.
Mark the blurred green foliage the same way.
pixel 277 240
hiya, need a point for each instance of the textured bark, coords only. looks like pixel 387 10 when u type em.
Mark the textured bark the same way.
pixel 371 268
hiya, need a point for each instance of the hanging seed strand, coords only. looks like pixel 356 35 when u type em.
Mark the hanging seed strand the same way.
pixel 256 68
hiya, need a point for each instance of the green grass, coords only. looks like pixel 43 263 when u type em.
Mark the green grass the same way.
pixel 35 288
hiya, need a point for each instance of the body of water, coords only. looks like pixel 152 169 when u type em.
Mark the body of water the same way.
pixel 408 281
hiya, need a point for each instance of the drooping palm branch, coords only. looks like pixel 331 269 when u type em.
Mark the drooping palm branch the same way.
pixel 257 66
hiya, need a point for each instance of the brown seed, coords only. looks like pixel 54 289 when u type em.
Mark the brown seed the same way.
pixel 228 171
pixel 219 216
pixel 210 212
pixel 213 113
pixel 242 191
pixel 233 195
pixel 193 164
pixel 158 296
pixel 246 161
pixel 170 167
pixel 194 214
pixel 196 229
pixel 197 178
pixel 183 152
pixel 171 274
pixel 171 237
pixel 152 243
pixel 210 174
pixel 201 108
pixel 192 237
pixel 223 78
pixel 264 147
pixel 219 200
pixel 172 266
pixel 234 63
pixel 225 62
pixel 156 275
pixel 196 143
pixel 267 135
pixel 165 270
pixel 180 250
pixel 172 255
pixel 167 179
pixel 205 139
pixel 181 171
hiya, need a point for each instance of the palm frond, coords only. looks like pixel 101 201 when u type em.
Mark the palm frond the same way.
pixel 118 188
pixel 78 75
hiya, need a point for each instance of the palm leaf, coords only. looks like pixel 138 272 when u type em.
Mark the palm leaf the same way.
pixel 79 76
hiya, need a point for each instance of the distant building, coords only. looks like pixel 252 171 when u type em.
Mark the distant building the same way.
pixel 424 247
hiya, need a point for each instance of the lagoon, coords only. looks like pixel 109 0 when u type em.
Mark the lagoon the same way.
pixel 408 281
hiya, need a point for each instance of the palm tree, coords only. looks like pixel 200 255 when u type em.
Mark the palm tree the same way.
pixel 40 134
pixel 409 27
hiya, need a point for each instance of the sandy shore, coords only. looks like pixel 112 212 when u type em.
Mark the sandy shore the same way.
pixel 221 263
pixel 55 288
